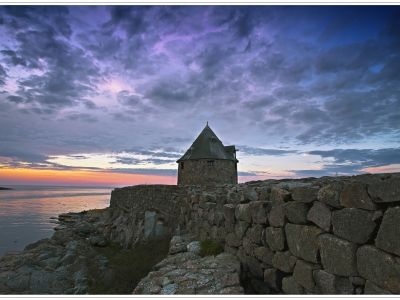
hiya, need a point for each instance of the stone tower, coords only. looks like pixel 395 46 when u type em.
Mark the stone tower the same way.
pixel 208 162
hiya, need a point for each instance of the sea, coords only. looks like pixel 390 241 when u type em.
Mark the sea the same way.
pixel 26 211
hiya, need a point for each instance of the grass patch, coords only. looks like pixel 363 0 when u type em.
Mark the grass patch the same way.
pixel 210 247
pixel 126 267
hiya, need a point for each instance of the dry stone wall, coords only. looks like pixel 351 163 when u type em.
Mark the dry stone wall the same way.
pixel 332 235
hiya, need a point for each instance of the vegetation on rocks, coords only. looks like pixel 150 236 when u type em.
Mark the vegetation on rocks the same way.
pixel 210 247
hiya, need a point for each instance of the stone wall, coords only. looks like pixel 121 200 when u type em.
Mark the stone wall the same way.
pixel 206 172
pixel 332 235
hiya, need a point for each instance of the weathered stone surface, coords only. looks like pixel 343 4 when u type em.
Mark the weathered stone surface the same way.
pixel 276 216
pixel 388 237
pixel 354 195
pixel 275 238
pixel 303 241
pixel 284 261
pixel 273 278
pixel 241 228
pixel 264 254
pixel 194 247
pixel 188 273
pixel 291 287
pixel 353 224
pixel 279 195
pixel 303 274
pixel 338 256
pixel 254 233
pixel 305 194
pixel 259 211
pixel 330 194
pixel 379 267
pixel 243 212
pixel 372 289
pixel 296 212
pixel 232 240
pixel 320 214
pixel 385 189
pixel 327 283
pixel 229 213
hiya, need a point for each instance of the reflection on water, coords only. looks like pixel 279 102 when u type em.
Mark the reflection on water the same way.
pixel 25 211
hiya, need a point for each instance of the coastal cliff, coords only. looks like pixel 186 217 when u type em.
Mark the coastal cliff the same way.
pixel 329 235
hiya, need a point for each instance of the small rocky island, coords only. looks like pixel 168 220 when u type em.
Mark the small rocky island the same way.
pixel 4 188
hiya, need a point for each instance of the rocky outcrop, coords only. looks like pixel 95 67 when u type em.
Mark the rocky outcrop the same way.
pixel 332 235
pixel 184 271
pixel 61 264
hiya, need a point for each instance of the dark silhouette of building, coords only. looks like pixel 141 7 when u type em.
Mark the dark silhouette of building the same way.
pixel 208 162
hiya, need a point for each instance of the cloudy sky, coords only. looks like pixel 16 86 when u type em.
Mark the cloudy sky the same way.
pixel 113 95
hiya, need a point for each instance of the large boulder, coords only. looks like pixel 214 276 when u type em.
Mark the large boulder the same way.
pixel 305 194
pixel 264 254
pixel 284 261
pixel 229 213
pixel 279 195
pixel 303 241
pixel 303 274
pixel 338 256
pixel 276 216
pixel 385 189
pixel 379 267
pixel 241 228
pixel 243 212
pixel 327 283
pixel 275 238
pixel 259 211
pixel 354 195
pixel 254 233
pixel 296 212
pixel 320 214
pixel 388 237
pixel 291 287
pixel 353 224
pixel 330 194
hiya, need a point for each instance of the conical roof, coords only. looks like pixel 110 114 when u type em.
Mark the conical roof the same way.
pixel 208 146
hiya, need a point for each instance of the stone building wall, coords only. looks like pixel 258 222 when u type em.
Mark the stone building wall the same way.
pixel 206 172
pixel 332 235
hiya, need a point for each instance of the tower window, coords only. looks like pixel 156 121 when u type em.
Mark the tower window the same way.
pixel 210 163
pixel 182 165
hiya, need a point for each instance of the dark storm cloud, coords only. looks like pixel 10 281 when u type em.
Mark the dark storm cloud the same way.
pixel 166 152
pixel 262 151
pixel 3 75
pixel 81 117
pixel 67 74
pixel 286 75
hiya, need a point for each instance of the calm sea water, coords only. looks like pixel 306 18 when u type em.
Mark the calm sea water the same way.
pixel 25 211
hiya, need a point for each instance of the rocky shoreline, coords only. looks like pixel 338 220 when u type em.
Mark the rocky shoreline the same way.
pixel 78 259
pixel 330 235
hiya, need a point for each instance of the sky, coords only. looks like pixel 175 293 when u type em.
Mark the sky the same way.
pixel 114 95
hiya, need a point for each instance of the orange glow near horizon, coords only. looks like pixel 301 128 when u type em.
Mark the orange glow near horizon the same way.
pixel 78 177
